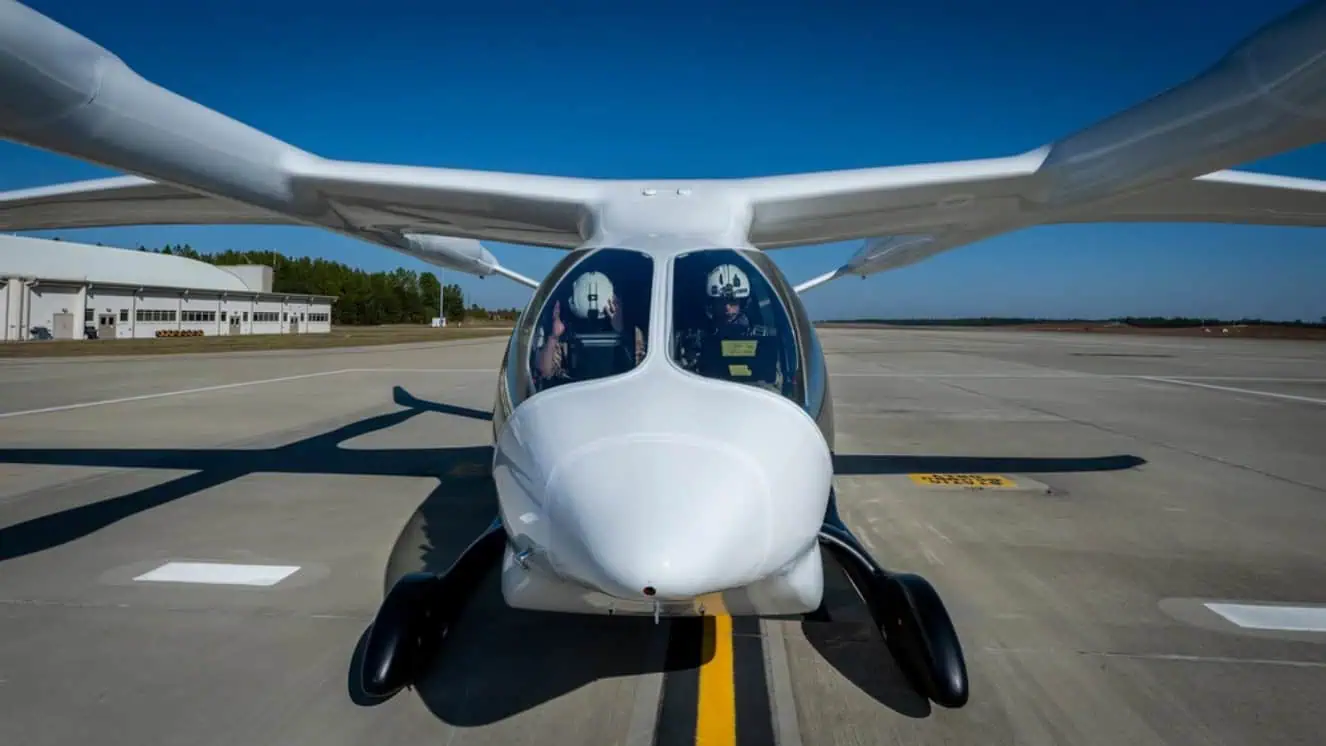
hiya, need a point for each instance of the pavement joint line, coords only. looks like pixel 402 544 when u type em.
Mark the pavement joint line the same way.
pixel 1180 378
pixel 782 702
pixel 1173 657
pixel 1161 379
pixel 237 384
pixel 648 691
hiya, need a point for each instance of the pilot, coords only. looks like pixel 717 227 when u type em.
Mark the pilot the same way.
pixel 594 309
pixel 728 347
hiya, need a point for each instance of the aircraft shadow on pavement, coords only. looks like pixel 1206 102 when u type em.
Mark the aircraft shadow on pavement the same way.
pixel 859 464
pixel 210 467
pixel 842 633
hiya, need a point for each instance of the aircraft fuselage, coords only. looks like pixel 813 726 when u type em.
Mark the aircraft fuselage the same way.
pixel 686 465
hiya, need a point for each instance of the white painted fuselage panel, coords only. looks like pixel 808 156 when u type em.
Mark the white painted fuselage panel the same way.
pixel 662 486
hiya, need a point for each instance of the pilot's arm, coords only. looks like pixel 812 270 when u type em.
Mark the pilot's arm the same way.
pixel 551 358
pixel 640 348
pixel 552 354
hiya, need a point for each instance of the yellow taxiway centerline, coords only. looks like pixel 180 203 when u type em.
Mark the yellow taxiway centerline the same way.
pixel 716 710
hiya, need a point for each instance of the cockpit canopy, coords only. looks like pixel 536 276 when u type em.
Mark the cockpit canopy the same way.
pixel 730 323
pixel 729 319
pixel 595 322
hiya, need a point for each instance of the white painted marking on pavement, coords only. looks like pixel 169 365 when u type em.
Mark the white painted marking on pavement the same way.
pixel 218 573
pixel 936 532
pixel 161 394
pixel 1290 397
pixel 239 384
pixel 1280 618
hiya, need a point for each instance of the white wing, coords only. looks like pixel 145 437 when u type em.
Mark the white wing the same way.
pixel 358 198
pixel 1162 160
pixel 122 200
pixel 62 92
pixel 1221 197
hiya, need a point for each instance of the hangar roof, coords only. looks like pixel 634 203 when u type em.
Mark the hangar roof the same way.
pixel 41 258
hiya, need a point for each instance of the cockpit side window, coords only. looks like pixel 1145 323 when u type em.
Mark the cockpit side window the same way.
pixel 729 323
pixel 595 321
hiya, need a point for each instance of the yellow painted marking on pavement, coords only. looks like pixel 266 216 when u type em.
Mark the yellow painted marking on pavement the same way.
pixel 716 711
pixel 978 481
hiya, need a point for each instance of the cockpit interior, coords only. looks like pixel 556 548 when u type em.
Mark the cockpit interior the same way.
pixel 727 319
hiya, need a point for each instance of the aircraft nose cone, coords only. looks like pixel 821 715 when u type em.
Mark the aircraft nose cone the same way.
pixel 681 516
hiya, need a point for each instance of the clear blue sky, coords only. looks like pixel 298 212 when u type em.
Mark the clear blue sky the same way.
pixel 677 89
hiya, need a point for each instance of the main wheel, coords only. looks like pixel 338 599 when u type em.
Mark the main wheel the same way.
pixel 921 637
pixel 405 633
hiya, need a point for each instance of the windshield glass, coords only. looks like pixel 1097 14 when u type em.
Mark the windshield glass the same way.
pixel 729 323
pixel 595 321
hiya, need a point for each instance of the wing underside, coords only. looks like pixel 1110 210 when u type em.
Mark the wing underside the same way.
pixel 124 200
pixel 1222 197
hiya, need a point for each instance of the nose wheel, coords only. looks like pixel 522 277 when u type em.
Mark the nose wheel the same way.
pixel 417 614
pixel 909 615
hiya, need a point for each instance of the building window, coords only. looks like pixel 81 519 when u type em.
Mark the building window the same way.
pixel 124 315
pixel 155 315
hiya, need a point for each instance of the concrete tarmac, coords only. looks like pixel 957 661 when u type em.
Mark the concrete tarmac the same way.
pixel 1143 478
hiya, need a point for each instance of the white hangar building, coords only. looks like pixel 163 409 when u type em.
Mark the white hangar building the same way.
pixel 67 288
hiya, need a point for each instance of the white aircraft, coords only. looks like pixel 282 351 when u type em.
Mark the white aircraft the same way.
pixel 663 426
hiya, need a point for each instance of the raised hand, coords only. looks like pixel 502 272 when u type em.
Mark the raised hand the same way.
pixel 615 313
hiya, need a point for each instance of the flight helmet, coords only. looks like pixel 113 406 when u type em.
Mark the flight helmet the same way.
pixel 590 294
pixel 727 283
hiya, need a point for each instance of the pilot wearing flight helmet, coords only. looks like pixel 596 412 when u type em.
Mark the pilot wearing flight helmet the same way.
pixel 593 313
pixel 729 346
pixel 728 291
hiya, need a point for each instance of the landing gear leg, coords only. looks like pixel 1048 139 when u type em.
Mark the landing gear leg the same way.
pixel 909 614
pixel 417 615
